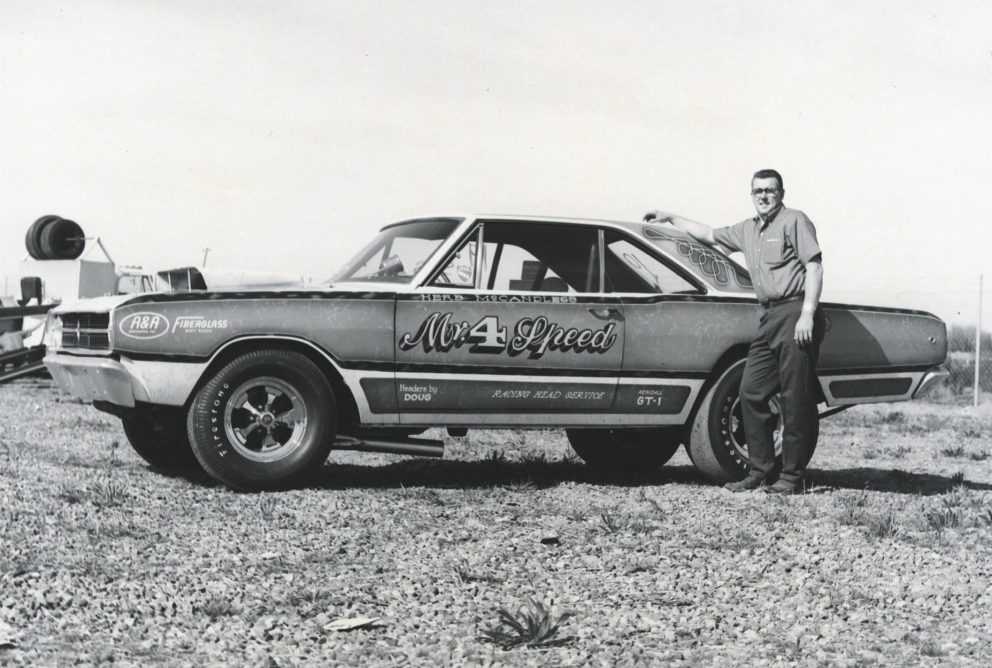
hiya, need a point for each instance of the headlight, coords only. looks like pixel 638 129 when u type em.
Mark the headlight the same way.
pixel 53 332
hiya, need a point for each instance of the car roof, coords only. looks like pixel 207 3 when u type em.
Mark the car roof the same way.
pixel 523 218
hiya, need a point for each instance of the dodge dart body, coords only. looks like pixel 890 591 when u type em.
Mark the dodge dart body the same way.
pixel 631 336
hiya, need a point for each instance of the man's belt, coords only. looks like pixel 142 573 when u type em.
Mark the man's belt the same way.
pixel 770 303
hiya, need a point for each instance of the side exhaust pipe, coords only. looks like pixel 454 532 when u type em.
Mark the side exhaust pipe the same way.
pixel 420 447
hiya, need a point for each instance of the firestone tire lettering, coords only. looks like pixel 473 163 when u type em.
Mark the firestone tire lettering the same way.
pixel 218 455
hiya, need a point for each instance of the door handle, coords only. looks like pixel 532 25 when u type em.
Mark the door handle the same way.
pixel 606 313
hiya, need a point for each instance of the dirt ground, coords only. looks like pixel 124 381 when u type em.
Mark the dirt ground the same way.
pixel 884 561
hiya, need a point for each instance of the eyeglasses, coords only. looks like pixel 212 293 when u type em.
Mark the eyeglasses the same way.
pixel 764 191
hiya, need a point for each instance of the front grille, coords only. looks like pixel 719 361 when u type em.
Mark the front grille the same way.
pixel 90 331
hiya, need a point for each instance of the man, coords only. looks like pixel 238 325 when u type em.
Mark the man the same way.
pixel 783 256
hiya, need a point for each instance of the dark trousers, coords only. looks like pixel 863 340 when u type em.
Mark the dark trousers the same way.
pixel 776 364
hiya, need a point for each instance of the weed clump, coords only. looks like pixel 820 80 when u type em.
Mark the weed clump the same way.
pixel 533 625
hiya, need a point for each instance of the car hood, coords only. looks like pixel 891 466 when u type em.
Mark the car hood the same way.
pixel 197 278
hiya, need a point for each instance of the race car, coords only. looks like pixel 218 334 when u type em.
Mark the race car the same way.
pixel 631 336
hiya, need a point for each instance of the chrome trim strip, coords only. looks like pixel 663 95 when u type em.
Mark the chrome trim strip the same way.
pixel 931 380
pixel 825 381
pixel 540 420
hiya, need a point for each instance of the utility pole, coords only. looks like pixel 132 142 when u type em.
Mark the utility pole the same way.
pixel 978 342
pixel 205 251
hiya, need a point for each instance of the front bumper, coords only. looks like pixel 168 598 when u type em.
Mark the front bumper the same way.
pixel 92 378
pixel 123 381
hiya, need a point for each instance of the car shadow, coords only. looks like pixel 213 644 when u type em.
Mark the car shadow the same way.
pixel 502 473
pixel 492 473
pixel 478 474
pixel 896 481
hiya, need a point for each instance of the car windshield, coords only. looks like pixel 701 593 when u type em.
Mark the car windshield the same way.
pixel 398 252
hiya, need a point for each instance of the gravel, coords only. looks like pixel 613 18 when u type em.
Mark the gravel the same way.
pixel 393 561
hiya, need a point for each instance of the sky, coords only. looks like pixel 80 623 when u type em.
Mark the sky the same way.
pixel 282 135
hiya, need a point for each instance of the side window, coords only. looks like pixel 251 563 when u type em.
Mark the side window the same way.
pixel 631 268
pixel 539 257
pixel 459 270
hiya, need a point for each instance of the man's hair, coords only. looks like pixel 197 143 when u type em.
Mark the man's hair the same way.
pixel 769 174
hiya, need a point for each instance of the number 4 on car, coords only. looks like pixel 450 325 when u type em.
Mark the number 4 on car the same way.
pixel 630 336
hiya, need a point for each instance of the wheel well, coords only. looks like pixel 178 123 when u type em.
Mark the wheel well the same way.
pixel 729 357
pixel 347 408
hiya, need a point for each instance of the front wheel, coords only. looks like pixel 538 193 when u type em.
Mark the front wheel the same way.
pixel 266 420
pixel 625 449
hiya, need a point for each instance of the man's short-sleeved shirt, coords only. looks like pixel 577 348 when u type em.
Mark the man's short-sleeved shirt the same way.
pixel 776 252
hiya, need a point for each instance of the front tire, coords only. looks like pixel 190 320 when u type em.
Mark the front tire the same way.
pixel 266 420
pixel 625 449
pixel 158 435
pixel 717 444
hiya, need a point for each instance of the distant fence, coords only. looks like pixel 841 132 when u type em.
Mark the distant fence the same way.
pixel 960 385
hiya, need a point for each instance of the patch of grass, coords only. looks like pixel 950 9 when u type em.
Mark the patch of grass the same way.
pixel 640 566
pixel 882 525
pixel 71 494
pixel 892 417
pixel 653 503
pixel 958 497
pixel 616 522
pixel 522 486
pixel 534 460
pixel 114 527
pixel 870 453
pixel 771 512
pixel 958 478
pixel 267 504
pixel 219 606
pixel 533 625
pixel 930 647
pixel 8 460
pixel 108 492
pixel 577 514
pixel 896 452
pixel 978 456
pixel 496 462
pixel 311 601
pixel 611 523
pixel 853 509
pixel 937 520
pixel 956 451
pixel 466 575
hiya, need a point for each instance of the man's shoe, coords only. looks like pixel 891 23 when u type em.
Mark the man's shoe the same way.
pixel 783 487
pixel 746 485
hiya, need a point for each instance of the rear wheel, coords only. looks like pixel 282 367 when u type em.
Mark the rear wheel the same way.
pixel 717 444
pixel 266 420
pixel 626 449
pixel 158 435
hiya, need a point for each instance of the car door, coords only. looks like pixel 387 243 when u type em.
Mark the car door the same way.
pixel 671 336
pixel 512 328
